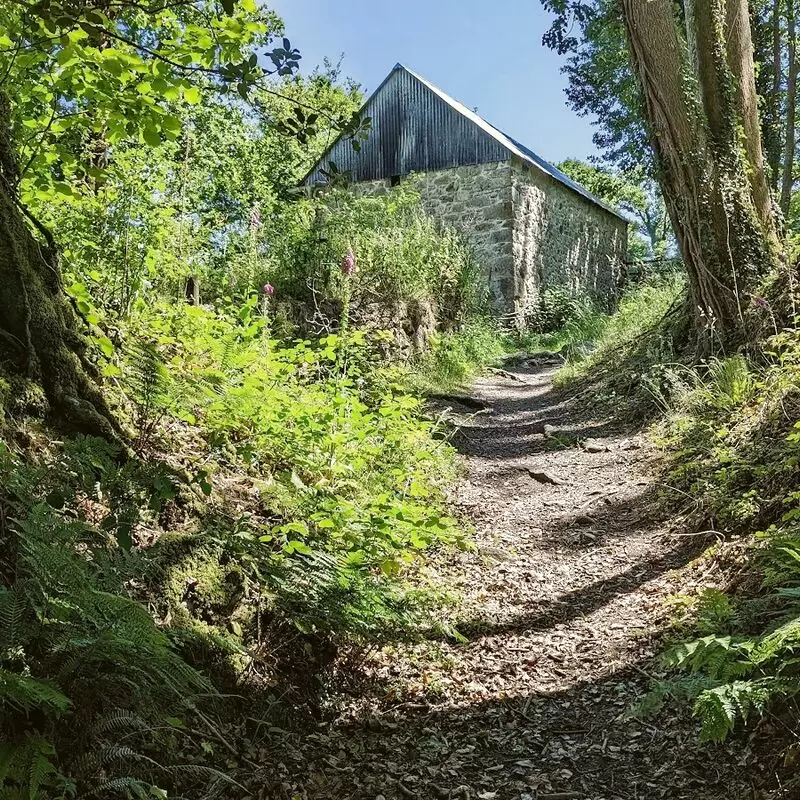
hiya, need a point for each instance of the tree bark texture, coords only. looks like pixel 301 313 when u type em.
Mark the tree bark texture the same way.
pixel 772 133
pixel 701 122
pixel 39 337
pixel 790 140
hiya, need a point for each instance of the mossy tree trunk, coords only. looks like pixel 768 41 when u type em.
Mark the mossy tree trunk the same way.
pixel 698 82
pixel 772 98
pixel 787 181
pixel 39 335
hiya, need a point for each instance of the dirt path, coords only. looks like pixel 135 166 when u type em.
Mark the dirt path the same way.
pixel 564 603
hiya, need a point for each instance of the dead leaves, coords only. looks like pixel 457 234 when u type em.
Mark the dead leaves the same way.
pixel 562 603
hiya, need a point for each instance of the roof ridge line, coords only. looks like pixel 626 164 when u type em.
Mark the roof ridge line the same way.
pixel 514 147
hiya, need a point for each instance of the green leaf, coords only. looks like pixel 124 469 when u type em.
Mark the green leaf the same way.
pixel 56 499
pixel 125 535
pixel 295 527
pixel 64 189
pixel 105 344
pixel 297 547
pixel 192 95
pixel 152 136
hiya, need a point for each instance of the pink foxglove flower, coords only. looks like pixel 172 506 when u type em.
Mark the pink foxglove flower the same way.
pixel 348 265
pixel 268 289
pixel 760 302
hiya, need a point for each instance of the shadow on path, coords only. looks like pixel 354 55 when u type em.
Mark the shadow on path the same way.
pixel 564 611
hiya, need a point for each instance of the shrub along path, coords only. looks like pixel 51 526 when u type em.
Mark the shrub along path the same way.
pixel 564 610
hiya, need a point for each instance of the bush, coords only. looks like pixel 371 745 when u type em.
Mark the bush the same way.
pixel 731 438
pixel 557 307
pixel 455 357
pixel 279 499
pixel 618 351
pixel 348 475
pixel 83 667
pixel 401 254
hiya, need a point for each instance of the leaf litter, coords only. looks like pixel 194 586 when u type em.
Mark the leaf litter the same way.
pixel 563 614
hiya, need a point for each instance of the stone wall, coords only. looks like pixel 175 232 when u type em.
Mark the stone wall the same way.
pixel 528 232
pixel 475 200
pixel 562 239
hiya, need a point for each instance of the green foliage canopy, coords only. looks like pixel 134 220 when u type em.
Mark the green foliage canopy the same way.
pixel 84 77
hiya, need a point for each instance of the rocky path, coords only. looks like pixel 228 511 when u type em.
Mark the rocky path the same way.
pixel 564 604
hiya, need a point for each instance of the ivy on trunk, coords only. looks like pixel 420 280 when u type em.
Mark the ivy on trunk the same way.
pixel 703 118
pixel 39 334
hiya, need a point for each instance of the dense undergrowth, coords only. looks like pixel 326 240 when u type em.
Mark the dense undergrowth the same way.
pixel 731 435
pixel 277 500
pixel 413 275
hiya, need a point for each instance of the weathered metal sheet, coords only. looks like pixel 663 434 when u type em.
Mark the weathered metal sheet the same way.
pixel 413 130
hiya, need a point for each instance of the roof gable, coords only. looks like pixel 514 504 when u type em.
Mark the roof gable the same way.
pixel 416 127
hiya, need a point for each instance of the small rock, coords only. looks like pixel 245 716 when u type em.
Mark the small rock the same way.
pixel 595 447
pixel 505 374
pixel 545 477
pixel 497 552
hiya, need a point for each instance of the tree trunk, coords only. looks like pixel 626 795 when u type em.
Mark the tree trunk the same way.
pixel 744 109
pixel 38 331
pixel 192 290
pixel 714 184
pixel 772 100
pixel 787 182
pixel 691 37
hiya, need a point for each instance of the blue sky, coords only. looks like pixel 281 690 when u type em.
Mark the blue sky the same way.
pixel 485 54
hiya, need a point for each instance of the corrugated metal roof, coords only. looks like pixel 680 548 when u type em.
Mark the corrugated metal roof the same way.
pixel 459 145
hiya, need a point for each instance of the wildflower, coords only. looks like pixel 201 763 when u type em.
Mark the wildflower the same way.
pixel 268 289
pixel 348 265
pixel 760 302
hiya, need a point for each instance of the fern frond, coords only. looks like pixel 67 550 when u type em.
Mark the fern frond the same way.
pixel 684 687
pixel 147 377
pixel 786 637
pixel 40 767
pixel 24 692
pixel 120 720
pixel 200 772
pixel 719 657
pixel 123 786
pixel 720 708
pixel 27 763
pixel 13 605
pixel 117 753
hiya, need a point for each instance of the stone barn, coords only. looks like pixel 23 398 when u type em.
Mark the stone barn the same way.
pixel 530 226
